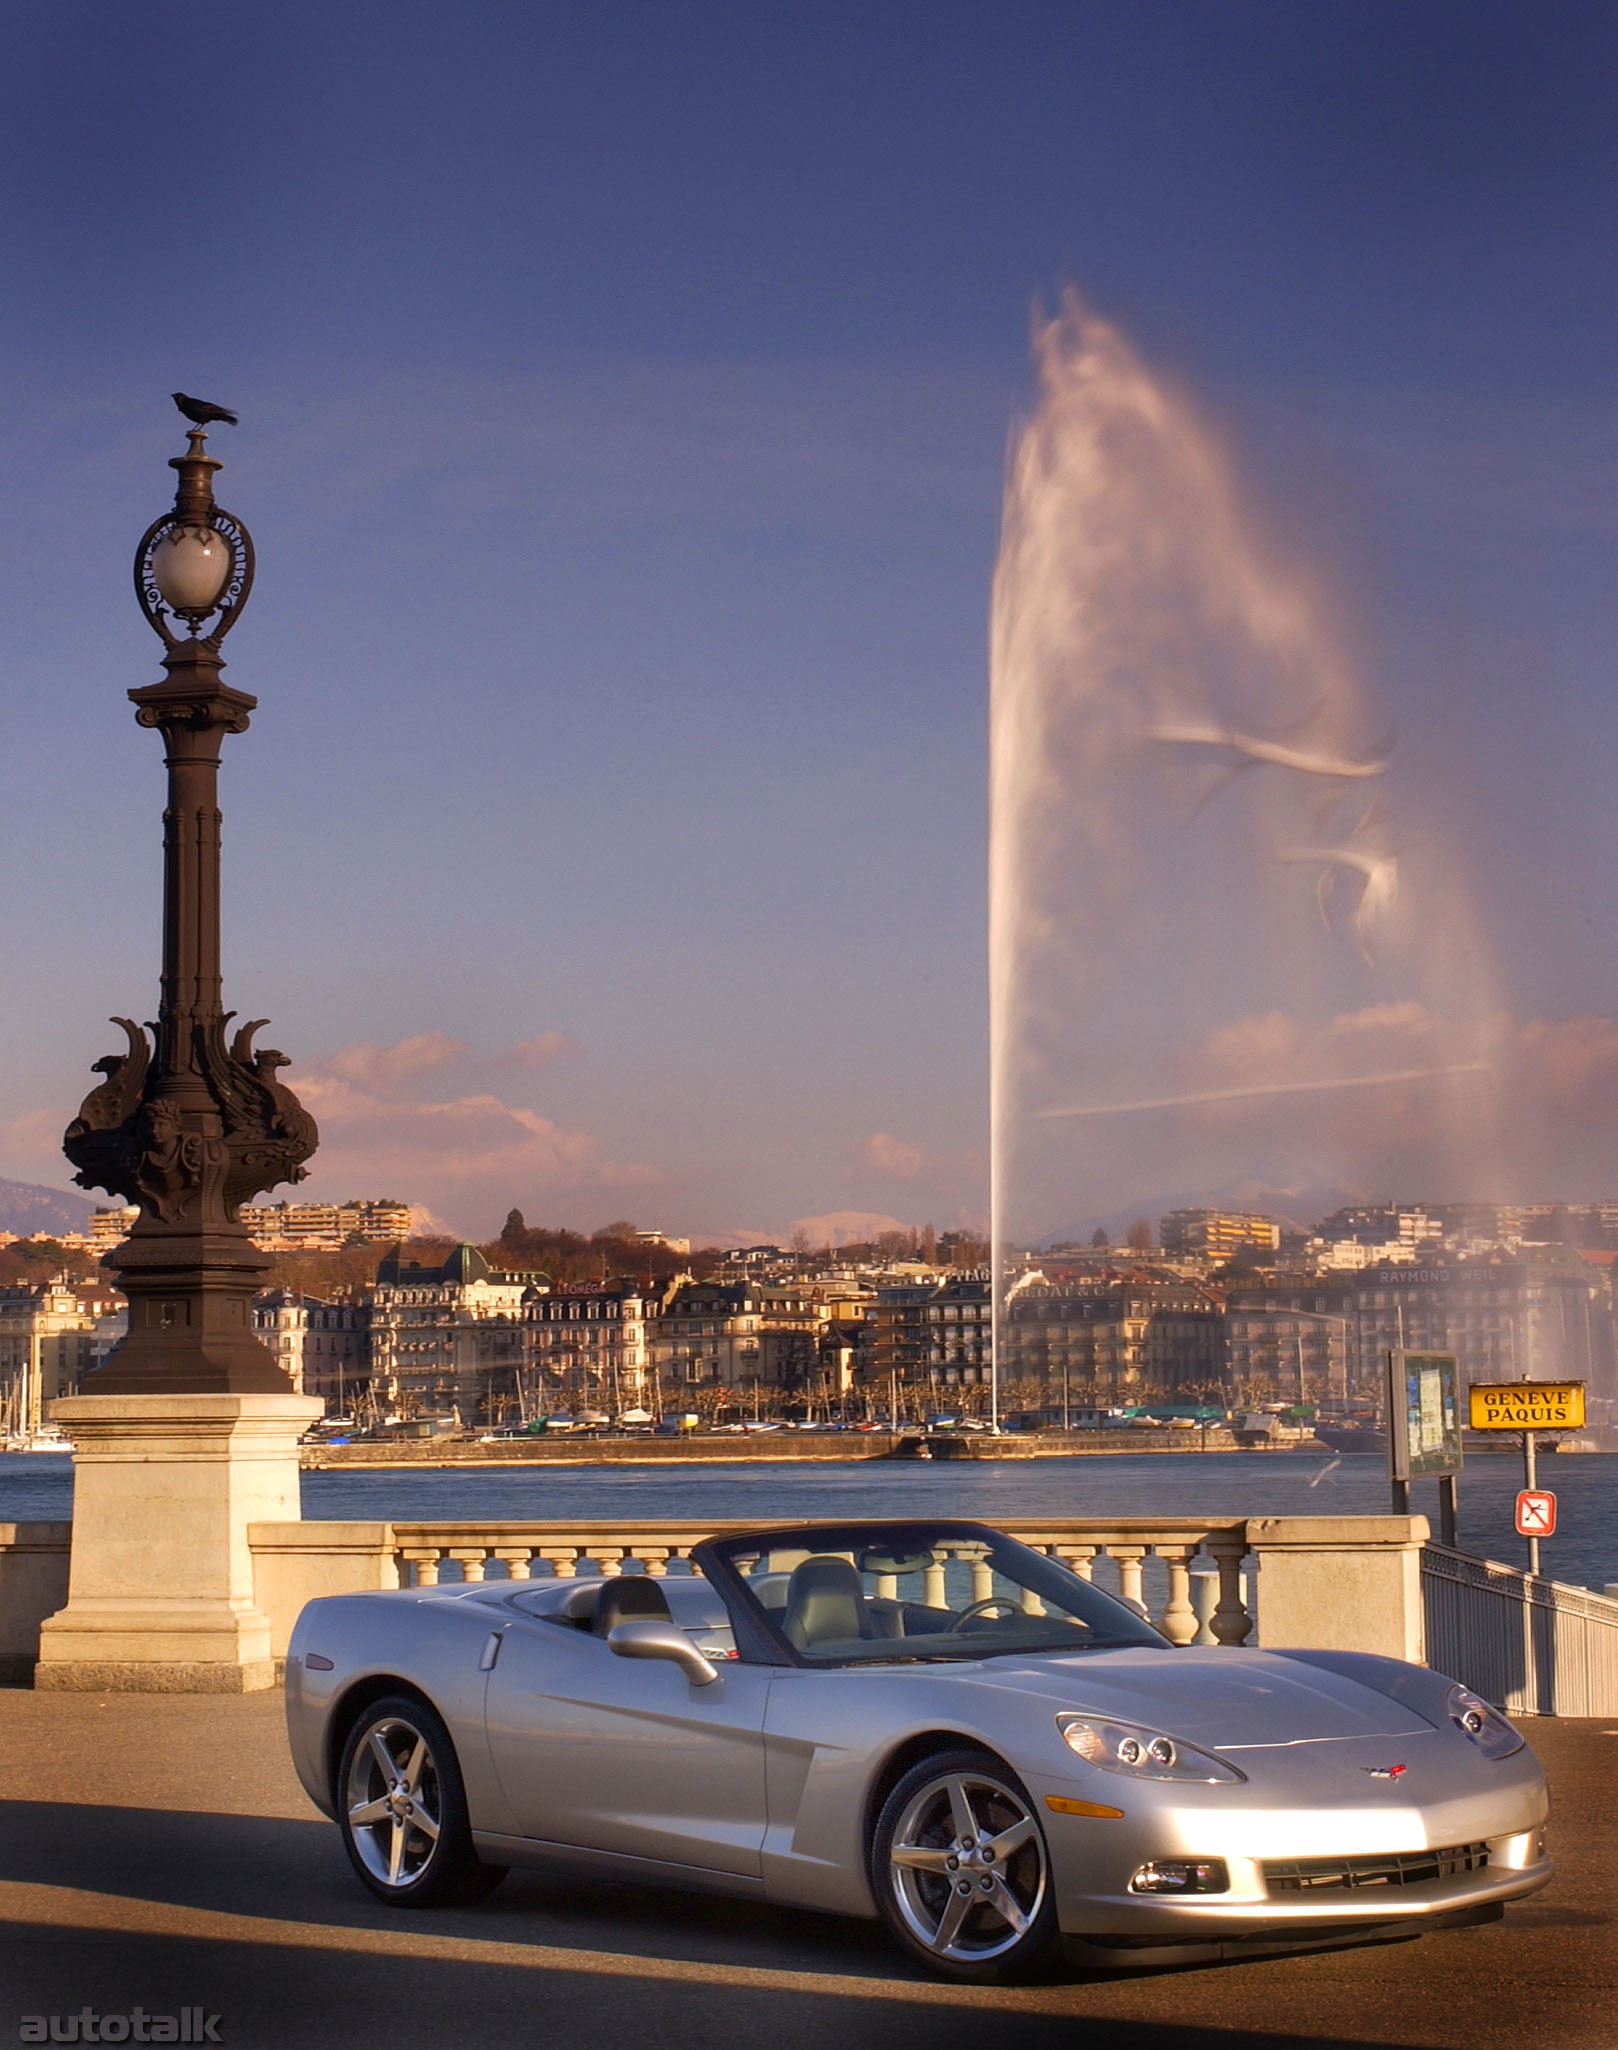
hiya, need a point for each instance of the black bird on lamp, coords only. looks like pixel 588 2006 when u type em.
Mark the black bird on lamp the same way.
pixel 199 412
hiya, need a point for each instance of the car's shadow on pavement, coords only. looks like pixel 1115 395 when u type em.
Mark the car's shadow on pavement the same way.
pixel 259 1920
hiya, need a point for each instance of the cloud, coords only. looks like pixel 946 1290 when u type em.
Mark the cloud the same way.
pixel 941 1187
pixel 886 1155
pixel 537 1052
pixel 1516 1107
pixel 31 1148
pixel 467 1153
pixel 384 1069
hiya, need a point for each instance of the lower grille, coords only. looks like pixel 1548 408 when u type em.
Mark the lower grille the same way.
pixel 1399 1869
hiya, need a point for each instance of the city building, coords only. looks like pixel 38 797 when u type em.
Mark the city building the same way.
pixel 326 1227
pixel 662 1238
pixel 899 1342
pixel 47 1346
pixel 324 1346
pixel 958 1323
pixel 1293 1340
pixel 1102 1343
pixel 443 1337
pixel 1505 1320
pixel 109 1228
pixel 707 1332
pixel 585 1347
pixel 1217 1234
pixel 287 1227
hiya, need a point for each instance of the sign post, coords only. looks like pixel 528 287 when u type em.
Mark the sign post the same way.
pixel 1529 1407
pixel 1536 1518
pixel 1424 1429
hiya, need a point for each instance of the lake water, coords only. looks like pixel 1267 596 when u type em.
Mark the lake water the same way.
pixel 36 1486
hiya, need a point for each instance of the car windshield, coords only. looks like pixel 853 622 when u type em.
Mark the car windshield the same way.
pixel 890 1593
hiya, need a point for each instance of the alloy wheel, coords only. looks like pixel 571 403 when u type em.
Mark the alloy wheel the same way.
pixel 968 1875
pixel 393 1802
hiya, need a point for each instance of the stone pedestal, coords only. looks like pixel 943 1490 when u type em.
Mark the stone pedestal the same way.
pixel 160 1593
pixel 1340 1583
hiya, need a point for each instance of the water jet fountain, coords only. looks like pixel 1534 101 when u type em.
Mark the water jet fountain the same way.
pixel 1196 926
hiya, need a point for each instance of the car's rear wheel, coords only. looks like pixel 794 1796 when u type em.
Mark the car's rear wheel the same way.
pixel 401 1808
pixel 961 1870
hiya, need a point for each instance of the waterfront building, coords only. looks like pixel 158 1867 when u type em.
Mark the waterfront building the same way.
pixel 958 1323
pixel 1089 1344
pixel 1291 1338
pixel 1505 1320
pixel 707 1333
pixel 442 1337
pixel 585 1346
pixel 898 1346
pixel 281 1319
pixel 323 1346
pixel 47 1346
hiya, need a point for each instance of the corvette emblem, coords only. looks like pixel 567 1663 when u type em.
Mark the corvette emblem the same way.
pixel 1383 1772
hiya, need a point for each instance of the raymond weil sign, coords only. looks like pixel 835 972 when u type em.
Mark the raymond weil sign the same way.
pixel 1527 1406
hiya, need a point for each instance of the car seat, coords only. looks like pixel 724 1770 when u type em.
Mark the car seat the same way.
pixel 825 1602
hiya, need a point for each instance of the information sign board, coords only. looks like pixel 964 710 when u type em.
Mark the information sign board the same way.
pixel 1424 1414
pixel 1536 1513
pixel 1528 1406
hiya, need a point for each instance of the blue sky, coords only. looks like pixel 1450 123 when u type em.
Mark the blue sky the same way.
pixel 625 393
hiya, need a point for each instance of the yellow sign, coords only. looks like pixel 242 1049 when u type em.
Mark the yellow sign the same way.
pixel 1528 1406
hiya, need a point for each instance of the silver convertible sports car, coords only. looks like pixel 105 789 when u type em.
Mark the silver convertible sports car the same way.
pixel 926 1721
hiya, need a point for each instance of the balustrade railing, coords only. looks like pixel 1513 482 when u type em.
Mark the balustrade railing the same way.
pixel 1186 1572
pixel 1532 1646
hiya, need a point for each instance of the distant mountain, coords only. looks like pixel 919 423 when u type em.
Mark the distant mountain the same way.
pixel 25 1208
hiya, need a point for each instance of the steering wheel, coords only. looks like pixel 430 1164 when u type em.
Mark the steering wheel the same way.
pixel 980 1610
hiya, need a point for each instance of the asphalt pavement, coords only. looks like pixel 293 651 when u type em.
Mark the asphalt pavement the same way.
pixel 157 1853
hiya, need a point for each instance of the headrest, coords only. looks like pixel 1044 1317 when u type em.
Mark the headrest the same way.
pixel 628 1594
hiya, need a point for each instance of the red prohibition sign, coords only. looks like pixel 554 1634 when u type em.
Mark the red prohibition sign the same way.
pixel 1536 1512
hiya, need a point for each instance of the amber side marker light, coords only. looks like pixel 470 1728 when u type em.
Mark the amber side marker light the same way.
pixel 1059 1804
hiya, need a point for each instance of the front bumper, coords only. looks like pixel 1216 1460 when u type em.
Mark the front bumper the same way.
pixel 1262 1845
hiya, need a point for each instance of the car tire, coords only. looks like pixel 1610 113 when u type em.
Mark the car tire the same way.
pixel 961 1870
pixel 401 1808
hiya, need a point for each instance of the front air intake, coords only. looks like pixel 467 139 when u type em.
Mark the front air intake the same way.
pixel 1397 1869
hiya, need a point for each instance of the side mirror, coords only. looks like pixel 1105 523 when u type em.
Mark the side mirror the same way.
pixel 649 1637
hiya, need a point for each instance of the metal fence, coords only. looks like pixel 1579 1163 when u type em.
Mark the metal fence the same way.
pixel 1531 1646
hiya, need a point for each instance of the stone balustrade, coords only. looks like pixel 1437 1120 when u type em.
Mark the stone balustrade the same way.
pixel 33 1585
pixel 1344 1583
pixel 1208 1607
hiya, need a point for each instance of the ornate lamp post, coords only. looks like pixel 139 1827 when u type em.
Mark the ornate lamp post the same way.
pixel 186 1438
pixel 190 1127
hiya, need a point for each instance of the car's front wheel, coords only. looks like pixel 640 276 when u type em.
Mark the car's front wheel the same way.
pixel 402 1808
pixel 961 1871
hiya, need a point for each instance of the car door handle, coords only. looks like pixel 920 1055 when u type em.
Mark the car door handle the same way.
pixel 491 1651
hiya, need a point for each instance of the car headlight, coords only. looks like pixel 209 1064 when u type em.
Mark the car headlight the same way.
pixel 1486 1726
pixel 1142 1753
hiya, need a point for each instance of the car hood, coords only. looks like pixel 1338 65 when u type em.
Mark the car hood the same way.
pixel 1226 1700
